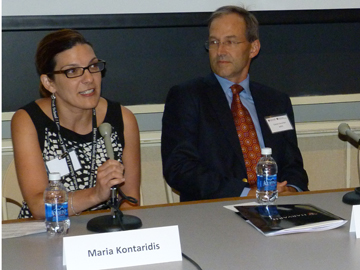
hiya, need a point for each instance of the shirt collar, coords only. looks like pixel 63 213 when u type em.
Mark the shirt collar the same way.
pixel 226 84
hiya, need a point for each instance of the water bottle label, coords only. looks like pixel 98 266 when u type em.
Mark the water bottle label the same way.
pixel 266 183
pixel 56 212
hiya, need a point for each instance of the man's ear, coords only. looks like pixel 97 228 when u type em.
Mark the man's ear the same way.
pixel 47 83
pixel 255 48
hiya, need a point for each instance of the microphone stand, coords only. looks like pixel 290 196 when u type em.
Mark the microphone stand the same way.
pixel 353 197
pixel 117 221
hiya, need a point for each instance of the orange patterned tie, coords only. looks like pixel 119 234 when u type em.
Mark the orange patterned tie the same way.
pixel 247 134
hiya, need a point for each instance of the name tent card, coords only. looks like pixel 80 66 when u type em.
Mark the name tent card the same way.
pixel 355 220
pixel 122 249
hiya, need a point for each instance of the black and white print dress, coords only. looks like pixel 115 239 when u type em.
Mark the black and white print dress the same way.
pixel 82 144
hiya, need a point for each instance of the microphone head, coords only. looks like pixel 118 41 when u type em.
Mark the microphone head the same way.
pixel 343 128
pixel 105 129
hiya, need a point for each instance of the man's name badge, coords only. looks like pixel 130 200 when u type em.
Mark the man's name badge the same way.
pixel 60 165
pixel 279 123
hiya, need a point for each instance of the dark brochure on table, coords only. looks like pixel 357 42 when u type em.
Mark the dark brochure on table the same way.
pixel 273 220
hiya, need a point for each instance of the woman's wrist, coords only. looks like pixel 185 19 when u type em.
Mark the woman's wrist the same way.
pixel 93 197
pixel 71 199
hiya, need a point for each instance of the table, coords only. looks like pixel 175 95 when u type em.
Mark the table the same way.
pixel 216 238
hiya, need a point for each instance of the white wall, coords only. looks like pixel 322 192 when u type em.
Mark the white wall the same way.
pixel 66 7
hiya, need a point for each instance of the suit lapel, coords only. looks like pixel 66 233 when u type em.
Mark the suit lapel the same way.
pixel 220 106
pixel 261 105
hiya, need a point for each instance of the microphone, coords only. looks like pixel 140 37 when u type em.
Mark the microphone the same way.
pixel 117 221
pixel 352 197
pixel 345 130
pixel 105 131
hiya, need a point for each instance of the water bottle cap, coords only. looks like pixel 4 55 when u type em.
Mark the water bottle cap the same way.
pixel 266 151
pixel 54 176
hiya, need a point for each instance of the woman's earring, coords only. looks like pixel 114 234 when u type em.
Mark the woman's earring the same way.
pixel 53 96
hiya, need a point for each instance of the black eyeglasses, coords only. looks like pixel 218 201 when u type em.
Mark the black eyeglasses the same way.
pixel 79 71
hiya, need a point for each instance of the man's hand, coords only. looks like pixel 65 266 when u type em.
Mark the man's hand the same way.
pixel 282 188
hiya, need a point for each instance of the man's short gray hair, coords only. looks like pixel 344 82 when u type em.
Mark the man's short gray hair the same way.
pixel 252 24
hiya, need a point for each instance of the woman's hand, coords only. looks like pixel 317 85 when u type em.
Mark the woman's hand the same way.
pixel 109 174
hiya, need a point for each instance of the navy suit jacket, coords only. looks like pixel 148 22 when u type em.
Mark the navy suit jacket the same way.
pixel 201 152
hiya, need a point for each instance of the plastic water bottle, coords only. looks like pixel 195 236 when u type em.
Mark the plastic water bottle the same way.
pixel 266 171
pixel 56 206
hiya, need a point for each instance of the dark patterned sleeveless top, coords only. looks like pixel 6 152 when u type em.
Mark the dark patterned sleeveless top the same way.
pixel 82 144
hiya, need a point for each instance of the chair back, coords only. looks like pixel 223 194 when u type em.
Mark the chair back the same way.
pixel 11 194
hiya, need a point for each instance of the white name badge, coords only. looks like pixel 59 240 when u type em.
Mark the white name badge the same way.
pixel 60 165
pixel 279 123
pixel 355 220
pixel 122 249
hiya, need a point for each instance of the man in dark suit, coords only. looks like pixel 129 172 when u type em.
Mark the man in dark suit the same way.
pixel 201 153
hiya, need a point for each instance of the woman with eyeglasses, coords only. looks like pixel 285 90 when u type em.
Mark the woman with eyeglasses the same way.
pixel 59 132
